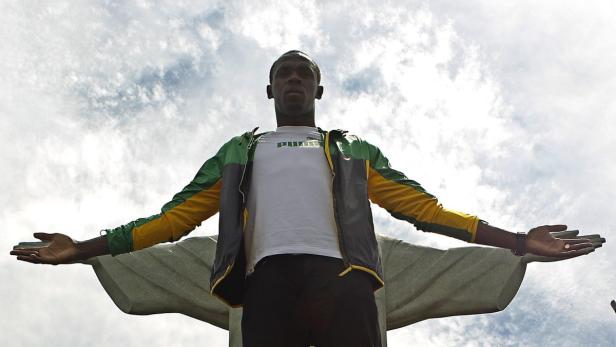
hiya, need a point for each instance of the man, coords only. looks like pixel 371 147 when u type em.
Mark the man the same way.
pixel 296 245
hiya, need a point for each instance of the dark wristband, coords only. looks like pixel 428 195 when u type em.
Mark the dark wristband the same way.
pixel 520 244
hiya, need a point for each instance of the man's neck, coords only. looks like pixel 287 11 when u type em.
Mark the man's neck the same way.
pixel 306 119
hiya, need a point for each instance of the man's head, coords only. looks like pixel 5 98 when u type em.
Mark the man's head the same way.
pixel 294 85
pixel 295 54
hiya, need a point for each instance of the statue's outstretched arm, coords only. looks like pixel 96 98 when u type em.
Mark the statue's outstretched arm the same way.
pixel 164 278
pixel 423 282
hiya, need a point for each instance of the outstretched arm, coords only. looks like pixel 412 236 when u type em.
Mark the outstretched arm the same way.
pixel 407 200
pixel 198 201
pixel 178 217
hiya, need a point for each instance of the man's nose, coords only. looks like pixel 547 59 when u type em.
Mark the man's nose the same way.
pixel 294 77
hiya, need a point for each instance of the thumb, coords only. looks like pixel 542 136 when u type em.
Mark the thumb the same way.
pixel 43 236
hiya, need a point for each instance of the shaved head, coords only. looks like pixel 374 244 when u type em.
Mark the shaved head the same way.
pixel 296 54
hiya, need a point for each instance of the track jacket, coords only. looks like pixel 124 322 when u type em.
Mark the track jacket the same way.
pixel 359 172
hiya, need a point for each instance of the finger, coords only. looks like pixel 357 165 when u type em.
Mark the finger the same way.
pixel 29 259
pixel 556 227
pixel 597 243
pixel 37 259
pixel 24 252
pixel 575 241
pixel 592 236
pixel 26 245
pixel 567 234
pixel 571 247
pixel 596 239
pixel 576 253
pixel 43 236
pixel 15 248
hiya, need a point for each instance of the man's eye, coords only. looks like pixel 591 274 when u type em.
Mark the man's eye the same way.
pixel 305 73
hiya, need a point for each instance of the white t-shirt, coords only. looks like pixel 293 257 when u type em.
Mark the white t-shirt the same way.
pixel 290 205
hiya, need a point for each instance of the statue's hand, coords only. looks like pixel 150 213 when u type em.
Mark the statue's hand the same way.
pixel 555 240
pixel 55 249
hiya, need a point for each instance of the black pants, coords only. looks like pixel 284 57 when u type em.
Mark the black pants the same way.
pixel 299 300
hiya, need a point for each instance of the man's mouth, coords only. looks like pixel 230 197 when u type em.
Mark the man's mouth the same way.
pixel 294 91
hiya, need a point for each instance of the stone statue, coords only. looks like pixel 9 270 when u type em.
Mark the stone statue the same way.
pixel 420 282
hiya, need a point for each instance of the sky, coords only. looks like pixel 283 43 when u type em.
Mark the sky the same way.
pixel 503 109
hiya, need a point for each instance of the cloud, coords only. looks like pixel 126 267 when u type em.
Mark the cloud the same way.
pixel 503 110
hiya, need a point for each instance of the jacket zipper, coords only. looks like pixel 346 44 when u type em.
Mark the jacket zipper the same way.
pixel 336 219
pixel 250 143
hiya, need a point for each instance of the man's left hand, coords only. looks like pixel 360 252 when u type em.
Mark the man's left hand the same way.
pixel 539 241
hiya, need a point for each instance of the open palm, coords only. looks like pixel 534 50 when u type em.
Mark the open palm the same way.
pixel 55 249
pixel 540 242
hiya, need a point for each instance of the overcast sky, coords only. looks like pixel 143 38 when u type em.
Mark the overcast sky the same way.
pixel 504 109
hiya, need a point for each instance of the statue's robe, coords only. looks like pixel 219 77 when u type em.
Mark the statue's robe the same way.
pixel 420 282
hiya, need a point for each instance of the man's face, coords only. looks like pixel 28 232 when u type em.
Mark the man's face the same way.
pixel 294 86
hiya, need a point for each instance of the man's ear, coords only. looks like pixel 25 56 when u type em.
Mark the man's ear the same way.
pixel 268 90
pixel 319 92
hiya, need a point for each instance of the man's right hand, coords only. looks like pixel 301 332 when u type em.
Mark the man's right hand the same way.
pixel 57 249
